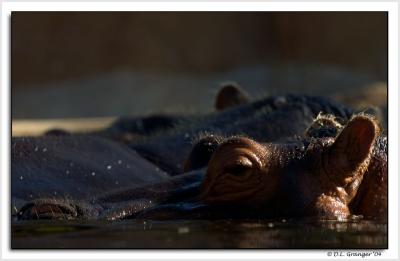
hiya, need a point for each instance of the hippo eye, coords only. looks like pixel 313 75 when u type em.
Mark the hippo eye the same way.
pixel 239 166
pixel 238 170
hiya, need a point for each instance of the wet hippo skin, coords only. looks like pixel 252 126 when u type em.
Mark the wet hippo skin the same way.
pixel 166 140
pixel 327 177
pixel 329 174
pixel 128 129
pixel 319 175
pixel 74 168
pixel 265 120
pixel 87 176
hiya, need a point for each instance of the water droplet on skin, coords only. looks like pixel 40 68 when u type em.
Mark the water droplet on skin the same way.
pixel 44 150
pixel 93 173
pixel 109 167
pixel 119 161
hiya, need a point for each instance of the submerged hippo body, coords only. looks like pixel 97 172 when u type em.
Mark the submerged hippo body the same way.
pixel 74 168
pixel 166 140
pixel 265 120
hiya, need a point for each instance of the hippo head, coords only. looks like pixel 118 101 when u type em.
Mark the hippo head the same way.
pixel 317 176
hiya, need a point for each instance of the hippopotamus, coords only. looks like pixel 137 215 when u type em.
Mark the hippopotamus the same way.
pixel 173 172
pixel 166 140
pixel 265 120
pixel 74 168
pixel 321 175
pixel 335 172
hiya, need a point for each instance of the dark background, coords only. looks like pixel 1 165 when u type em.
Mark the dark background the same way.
pixel 69 51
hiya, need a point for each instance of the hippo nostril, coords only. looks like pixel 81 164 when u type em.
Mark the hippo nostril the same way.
pixel 49 209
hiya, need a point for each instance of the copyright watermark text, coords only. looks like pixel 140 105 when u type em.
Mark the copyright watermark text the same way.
pixel 362 254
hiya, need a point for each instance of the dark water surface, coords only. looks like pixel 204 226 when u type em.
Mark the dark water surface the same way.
pixel 273 234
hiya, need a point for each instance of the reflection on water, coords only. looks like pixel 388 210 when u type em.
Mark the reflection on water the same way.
pixel 201 234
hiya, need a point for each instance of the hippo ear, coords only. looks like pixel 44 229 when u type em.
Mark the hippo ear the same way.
pixel 201 152
pixel 230 95
pixel 353 145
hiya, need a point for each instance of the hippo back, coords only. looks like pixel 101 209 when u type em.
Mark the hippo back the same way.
pixel 75 167
pixel 266 120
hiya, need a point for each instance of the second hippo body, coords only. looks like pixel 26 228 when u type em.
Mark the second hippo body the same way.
pixel 74 168
pixel 265 120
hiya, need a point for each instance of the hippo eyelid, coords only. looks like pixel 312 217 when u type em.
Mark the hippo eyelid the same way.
pixel 247 157
pixel 239 166
pixel 243 161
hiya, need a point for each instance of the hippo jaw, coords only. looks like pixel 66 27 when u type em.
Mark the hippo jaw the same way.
pixel 169 199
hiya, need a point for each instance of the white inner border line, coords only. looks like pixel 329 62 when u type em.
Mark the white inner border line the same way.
pixel 6 9
pixel 199 6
